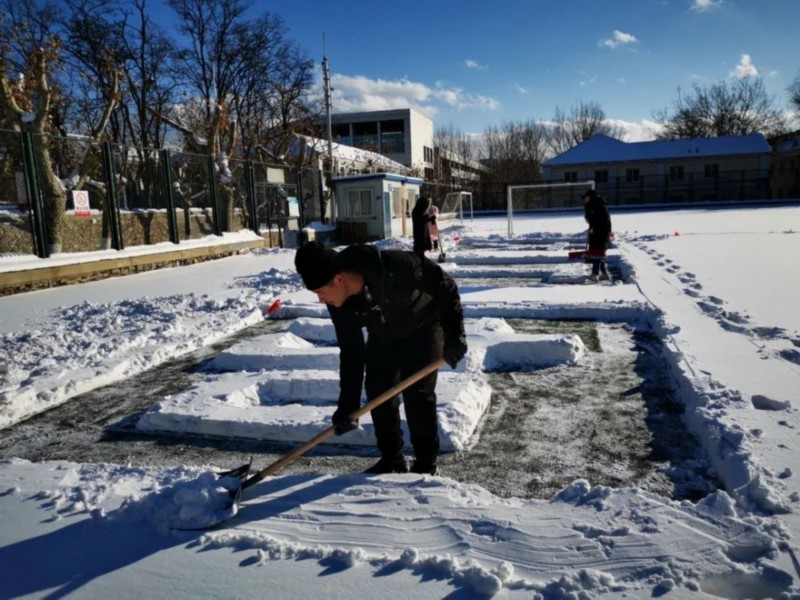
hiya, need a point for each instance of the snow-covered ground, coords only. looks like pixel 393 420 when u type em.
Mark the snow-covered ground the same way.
pixel 718 286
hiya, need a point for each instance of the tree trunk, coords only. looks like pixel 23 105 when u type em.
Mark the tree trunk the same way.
pixel 53 197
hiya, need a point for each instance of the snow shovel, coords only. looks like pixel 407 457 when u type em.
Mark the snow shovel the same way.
pixel 243 471
pixel 586 255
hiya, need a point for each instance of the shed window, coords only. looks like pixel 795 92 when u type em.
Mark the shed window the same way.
pixel 359 203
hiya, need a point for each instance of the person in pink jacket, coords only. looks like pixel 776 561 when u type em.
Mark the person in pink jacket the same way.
pixel 433 230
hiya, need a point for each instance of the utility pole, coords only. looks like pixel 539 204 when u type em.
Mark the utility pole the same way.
pixel 327 79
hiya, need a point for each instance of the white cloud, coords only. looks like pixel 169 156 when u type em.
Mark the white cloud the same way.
pixel 358 93
pixel 619 38
pixel 587 80
pixel 745 68
pixel 474 64
pixel 521 89
pixel 705 5
pixel 643 131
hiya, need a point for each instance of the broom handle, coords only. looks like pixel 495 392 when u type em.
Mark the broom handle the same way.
pixel 321 437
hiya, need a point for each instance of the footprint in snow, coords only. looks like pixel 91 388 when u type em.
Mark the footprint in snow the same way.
pixel 734 317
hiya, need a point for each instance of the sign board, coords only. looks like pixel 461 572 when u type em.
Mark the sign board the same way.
pixel 22 188
pixel 80 201
pixel 294 206
pixel 275 176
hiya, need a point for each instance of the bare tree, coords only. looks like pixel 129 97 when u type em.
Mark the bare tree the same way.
pixel 150 85
pixel 275 103
pixel 794 93
pixel 31 44
pixel 515 150
pixel 456 142
pixel 738 108
pixel 584 120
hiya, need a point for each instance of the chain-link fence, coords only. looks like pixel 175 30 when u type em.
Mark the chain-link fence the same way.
pixel 724 186
pixel 16 233
pixel 71 194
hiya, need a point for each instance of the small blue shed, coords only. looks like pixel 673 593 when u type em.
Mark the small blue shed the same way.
pixel 380 201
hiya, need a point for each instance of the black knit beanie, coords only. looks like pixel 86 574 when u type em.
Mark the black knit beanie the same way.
pixel 315 264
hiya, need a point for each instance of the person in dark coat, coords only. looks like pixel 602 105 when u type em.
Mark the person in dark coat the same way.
pixel 412 312
pixel 597 216
pixel 420 218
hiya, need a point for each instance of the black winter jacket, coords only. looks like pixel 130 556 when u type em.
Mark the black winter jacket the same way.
pixel 403 293
pixel 419 228
pixel 599 220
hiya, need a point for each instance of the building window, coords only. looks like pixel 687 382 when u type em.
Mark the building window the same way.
pixel 393 137
pixel 359 203
pixel 631 175
pixel 427 154
pixel 570 176
pixel 712 171
pixel 676 172
pixel 340 133
pixel 601 176
pixel 365 136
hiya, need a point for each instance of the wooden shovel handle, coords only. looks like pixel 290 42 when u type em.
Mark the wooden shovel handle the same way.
pixel 324 435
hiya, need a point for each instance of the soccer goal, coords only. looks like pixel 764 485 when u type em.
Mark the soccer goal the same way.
pixel 544 196
pixel 454 205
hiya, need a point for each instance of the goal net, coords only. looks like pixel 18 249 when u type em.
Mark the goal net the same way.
pixel 455 204
pixel 544 196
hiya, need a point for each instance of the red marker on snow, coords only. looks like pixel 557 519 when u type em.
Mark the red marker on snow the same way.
pixel 273 307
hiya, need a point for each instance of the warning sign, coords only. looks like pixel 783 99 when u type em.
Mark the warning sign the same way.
pixel 80 201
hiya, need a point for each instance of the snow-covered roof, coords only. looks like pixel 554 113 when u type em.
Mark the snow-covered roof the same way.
pixel 602 148
pixel 343 152
pixel 389 176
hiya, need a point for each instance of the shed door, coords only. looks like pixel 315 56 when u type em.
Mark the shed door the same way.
pixel 386 206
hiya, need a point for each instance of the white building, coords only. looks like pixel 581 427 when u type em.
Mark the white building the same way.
pixel 403 135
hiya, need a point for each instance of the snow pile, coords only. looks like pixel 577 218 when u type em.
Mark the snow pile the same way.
pixel 191 504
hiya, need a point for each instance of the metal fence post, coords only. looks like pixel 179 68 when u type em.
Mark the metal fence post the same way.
pixel 34 195
pixel 252 204
pixel 300 202
pixel 111 197
pixel 215 210
pixel 172 217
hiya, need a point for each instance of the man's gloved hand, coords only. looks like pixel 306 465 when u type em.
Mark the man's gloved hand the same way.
pixel 342 422
pixel 454 350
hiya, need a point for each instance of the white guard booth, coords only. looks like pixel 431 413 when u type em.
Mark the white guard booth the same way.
pixel 375 206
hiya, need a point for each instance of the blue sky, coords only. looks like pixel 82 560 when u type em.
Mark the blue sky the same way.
pixel 471 64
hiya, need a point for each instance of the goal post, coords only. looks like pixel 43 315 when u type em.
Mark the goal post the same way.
pixel 545 196
pixel 454 205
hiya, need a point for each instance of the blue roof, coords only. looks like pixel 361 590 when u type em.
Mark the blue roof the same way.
pixel 605 149
pixel 389 176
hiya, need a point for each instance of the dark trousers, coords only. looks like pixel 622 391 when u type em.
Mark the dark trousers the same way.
pixel 387 365
pixel 598 266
